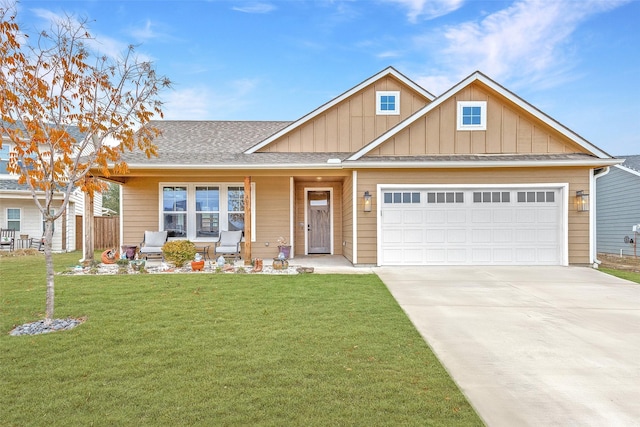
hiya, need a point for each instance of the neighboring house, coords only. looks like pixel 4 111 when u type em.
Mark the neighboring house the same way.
pixel 384 174
pixel 19 212
pixel 618 207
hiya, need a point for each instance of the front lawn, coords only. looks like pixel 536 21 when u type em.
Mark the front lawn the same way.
pixel 203 349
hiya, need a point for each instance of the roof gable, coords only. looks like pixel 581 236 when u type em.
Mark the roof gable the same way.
pixel 550 135
pixel 334 115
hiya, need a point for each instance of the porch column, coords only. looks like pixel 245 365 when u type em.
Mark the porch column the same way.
pixel 87 248
pixel 248 232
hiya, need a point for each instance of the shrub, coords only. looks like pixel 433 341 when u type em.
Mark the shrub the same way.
pixel 179 251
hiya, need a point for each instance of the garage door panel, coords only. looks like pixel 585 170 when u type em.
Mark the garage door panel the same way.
pixel 498 227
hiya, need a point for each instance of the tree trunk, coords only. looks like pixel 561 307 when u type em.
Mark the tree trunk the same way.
pixel 88 246
pixel 48 256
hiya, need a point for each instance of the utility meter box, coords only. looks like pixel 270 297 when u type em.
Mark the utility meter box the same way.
pixel 636 228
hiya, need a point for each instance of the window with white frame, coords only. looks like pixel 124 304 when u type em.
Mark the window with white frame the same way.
pixel 388 102
pixel 201 211
pixel 472 115
pixel 13 219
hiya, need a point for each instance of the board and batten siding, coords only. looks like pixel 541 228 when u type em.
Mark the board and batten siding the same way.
pixel 509 130
pixel 350 124
pixel 617 210
pixel 577 178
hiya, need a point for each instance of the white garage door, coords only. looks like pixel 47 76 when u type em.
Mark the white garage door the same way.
pixel 496 226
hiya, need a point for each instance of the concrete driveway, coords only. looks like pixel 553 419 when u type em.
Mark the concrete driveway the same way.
pixel 531 346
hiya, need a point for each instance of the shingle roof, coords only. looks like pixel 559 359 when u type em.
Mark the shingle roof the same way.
pixel 205 142
pixel 631 162
pixel 12 184
pixel 74 131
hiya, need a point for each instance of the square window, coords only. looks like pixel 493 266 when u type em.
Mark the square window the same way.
pixel 415 197
pixel 388 102
pixel 472 115
pixel 388 197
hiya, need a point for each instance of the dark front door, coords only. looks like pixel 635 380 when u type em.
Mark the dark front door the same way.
pixel 319 227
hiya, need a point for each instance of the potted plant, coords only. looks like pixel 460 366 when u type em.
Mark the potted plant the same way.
pixel 198 263
pixel 283 247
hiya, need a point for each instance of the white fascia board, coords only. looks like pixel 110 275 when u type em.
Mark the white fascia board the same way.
pixel 271 166
pixel 387 71
pixel 626 169
pixel 474 164
pixel 478 76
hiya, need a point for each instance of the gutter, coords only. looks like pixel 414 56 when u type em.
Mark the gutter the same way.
pixel 475 164
pixel 592 243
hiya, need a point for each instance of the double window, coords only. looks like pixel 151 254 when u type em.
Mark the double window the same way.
pixel 201 211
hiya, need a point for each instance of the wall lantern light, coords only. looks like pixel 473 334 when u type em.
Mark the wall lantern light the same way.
pixel 367 201
pixel 582 201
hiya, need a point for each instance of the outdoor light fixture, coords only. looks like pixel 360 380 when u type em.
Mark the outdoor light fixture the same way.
pixel 582 201
pixel 367 201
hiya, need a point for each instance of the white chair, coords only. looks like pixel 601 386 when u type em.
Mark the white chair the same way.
pixel 7 238
pixel 152 243
pixel 228 243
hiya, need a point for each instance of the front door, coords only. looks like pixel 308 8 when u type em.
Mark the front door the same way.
pixel 319 222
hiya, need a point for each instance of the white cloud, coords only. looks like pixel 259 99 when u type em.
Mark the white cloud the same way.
pixel 428 9
pixel 202 103
pixel 255 8
pixel 529 41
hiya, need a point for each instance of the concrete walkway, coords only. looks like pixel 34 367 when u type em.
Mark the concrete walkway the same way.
pixel 531 346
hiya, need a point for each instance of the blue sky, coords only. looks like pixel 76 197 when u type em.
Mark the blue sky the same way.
pixel 577 60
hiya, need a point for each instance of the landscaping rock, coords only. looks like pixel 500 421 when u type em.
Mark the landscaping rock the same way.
pixel 40 327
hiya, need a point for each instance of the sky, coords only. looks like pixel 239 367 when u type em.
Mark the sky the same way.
pixel 576 60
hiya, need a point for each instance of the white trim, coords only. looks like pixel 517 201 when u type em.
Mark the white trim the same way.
pixel 389 71
pixel 380 94
pixel 483 115
pixel 292 217
pixel 479 164
pixel 191 205
pixel 477 76
pixel 594 198
pixel 354 215
pixel 563 203
pixel 626 169
pixel 306 217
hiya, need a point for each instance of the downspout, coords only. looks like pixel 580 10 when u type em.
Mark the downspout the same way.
pixel 598 173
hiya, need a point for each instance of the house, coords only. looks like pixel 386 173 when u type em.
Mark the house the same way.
pixel 384 174
pixel 618 207
pixel 18 211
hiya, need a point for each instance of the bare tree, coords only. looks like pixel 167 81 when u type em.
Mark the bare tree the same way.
pixel 68 111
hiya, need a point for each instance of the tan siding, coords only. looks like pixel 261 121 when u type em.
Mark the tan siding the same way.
pixel 347 218
pixel 509 130
pixel 300 219
pixel 351 124
pixel 577 178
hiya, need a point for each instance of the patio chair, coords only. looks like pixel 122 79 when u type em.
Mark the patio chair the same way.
pixel 7 238
pixel 152 243
pixel 228 244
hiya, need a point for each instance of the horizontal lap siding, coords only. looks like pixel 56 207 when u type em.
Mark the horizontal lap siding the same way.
pixel 299 218
pixel 617 210
pixel 141 209
pixel 347 218
pixel 577 178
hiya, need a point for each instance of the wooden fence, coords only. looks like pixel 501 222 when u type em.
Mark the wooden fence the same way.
pixel 106 231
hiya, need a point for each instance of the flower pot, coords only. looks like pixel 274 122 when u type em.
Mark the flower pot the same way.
pixel 280 264
pixel 286 250
pixel 197 265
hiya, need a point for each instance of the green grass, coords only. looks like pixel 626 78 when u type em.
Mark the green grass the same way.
pixel 623 274
pixel 203 349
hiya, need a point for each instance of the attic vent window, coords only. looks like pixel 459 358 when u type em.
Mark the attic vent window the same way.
pixel 388 102
pixel 472 115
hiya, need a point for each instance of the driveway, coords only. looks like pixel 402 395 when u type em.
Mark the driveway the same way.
pixel 531 346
